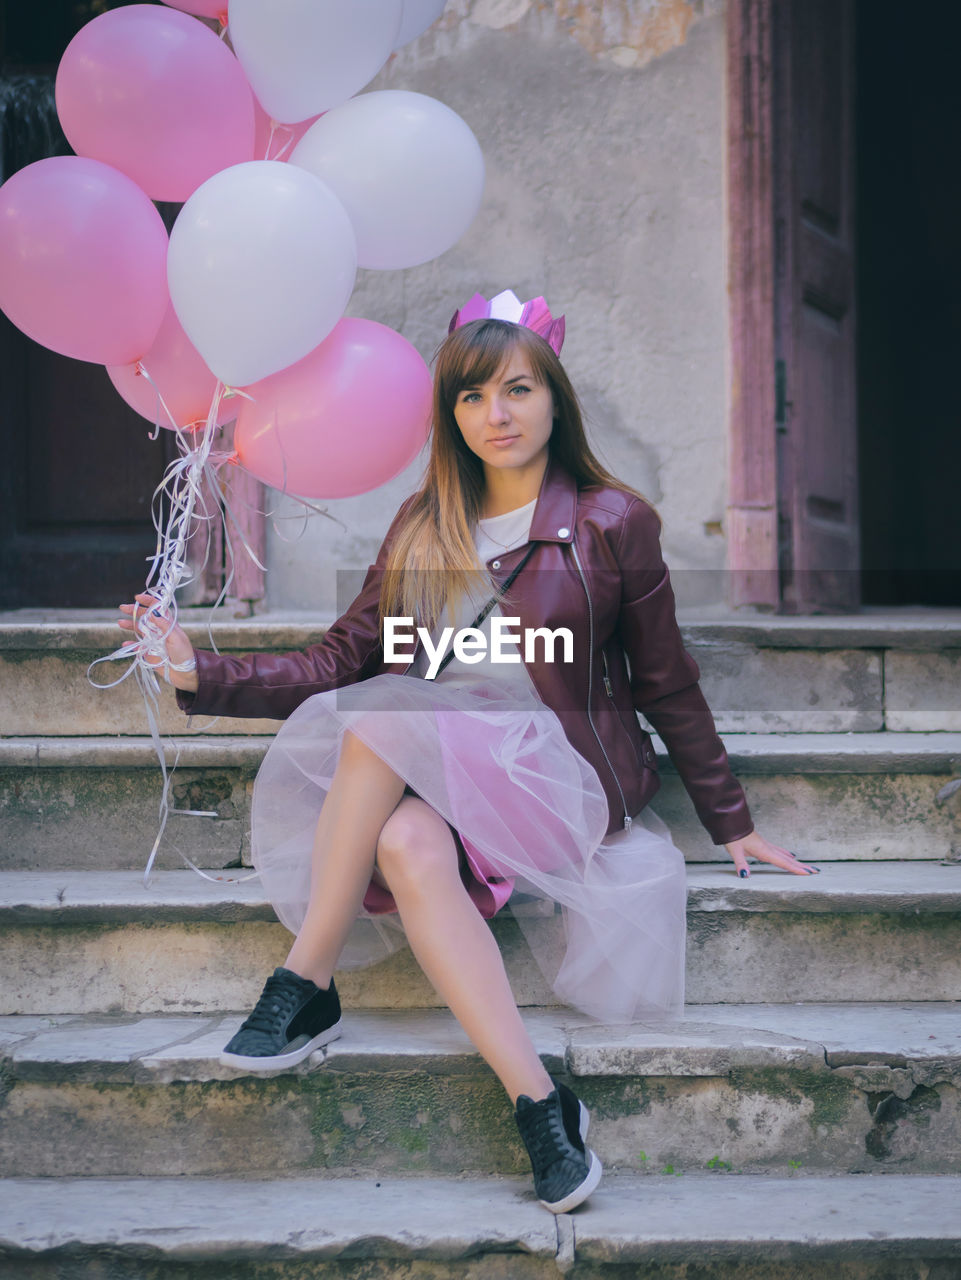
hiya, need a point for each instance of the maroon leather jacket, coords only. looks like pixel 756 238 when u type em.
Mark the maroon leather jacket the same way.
pixel 597 569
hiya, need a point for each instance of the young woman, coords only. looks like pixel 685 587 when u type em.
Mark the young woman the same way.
pixel 398 785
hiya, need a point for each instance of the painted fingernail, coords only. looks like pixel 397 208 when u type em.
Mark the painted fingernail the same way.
pixel 743 873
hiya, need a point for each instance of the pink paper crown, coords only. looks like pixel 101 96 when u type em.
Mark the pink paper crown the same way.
pixel 535 315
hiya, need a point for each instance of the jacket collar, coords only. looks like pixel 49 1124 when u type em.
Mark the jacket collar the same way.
pixel 553 519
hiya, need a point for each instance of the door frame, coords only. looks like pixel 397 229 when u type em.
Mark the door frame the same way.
pixel 752 512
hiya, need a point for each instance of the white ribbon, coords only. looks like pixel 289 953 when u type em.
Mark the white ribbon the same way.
pixel 275 128
pixel 183 489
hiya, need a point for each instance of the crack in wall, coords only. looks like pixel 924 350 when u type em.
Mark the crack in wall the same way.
pixel 566 1255
pixel 892 1114
pixel 901 1096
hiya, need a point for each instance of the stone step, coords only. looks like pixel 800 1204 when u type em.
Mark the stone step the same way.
pixel 88 942
pixel 719 1226
pixel 851 1088
pixel 93 802
pixel 884 669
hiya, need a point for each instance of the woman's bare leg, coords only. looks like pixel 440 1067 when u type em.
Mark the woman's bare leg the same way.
pixel 365 816
pixel 364 793
pixel 452 943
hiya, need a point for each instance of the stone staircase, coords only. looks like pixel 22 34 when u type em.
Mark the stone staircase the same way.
pixel 803 1120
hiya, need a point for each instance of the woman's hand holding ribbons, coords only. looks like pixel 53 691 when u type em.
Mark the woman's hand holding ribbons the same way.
pixel 179 650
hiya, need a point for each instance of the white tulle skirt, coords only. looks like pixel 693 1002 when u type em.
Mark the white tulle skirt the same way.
pixel 604 916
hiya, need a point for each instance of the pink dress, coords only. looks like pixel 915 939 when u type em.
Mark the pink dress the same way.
pixel 526 809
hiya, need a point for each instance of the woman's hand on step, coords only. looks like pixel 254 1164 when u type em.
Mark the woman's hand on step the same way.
pixel 755 846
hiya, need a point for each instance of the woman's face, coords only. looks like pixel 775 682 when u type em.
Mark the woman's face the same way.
pixel 507 422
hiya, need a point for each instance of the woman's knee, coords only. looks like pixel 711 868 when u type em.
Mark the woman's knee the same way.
pixel 352 746
pixel 416 849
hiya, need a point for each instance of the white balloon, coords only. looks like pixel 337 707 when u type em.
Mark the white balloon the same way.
pixel 306 56
pixel 261 266
pixel 418 16
pixel 407 169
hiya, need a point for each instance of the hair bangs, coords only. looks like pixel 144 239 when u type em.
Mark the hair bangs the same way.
pixel 474 354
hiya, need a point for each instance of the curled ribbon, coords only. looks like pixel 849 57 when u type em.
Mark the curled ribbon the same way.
pixel 183 490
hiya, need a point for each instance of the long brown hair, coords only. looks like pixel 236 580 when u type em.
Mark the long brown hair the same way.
pixel 433 559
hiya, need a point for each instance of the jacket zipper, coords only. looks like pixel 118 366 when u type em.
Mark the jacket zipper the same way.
pixel 590 685
pixel 610 693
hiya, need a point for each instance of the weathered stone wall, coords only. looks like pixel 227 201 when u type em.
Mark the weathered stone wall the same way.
pixel 602 128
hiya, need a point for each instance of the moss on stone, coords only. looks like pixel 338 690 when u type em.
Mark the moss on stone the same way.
pixel 411 1121
pixel 830 1097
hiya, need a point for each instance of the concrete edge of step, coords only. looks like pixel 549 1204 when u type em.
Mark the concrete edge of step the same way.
pixel 885 752
pixel 122 898
pixel 890 1049
pixel 135 752
pixel 74 898
pixel 628 1220
pixel 96 631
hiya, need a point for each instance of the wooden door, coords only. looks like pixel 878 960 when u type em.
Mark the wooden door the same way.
pixel 814 312
pixel 76 486
pixel 78 470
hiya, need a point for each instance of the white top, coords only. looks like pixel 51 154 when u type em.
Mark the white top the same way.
pixel 498 534
pixel 492 538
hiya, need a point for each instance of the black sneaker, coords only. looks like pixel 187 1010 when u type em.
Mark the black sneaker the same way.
pixel 292 1018
pixel 554 1129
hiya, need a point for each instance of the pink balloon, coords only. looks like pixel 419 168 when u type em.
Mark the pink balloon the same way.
pixel 83 257
pixel 176 372
pixel 274 141
pixel 345 419
pixel 158 96
pixel 202 8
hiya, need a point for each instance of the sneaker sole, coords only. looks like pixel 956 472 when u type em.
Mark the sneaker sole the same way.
pixel 281 1061
pixel 580 1193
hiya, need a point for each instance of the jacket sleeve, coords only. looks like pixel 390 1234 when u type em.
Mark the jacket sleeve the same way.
pixel 664 680
pixel 272 685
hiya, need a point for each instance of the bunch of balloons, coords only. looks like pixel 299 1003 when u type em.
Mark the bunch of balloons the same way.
pixel 290 184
